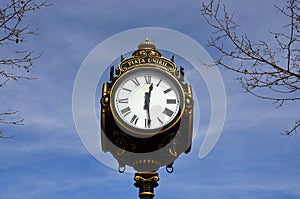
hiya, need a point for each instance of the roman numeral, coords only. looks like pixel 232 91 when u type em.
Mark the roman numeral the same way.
pixel 125 111
pixel 168 112
pixel 147 123
pixel 168 90
pixel 148 79
pixel 126 89
pixel 135 81
pixel 160 120
pixel 171 101
pixel 134 119
pixel 125 100
pixel 158 82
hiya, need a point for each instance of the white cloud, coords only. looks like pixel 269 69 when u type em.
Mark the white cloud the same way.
pixel 49 143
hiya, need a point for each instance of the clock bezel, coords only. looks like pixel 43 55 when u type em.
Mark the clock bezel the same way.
pixel 128 129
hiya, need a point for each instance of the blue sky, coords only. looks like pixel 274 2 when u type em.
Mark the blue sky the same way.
pixel 46 159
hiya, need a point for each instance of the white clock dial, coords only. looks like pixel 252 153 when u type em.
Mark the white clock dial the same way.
pixel 147 99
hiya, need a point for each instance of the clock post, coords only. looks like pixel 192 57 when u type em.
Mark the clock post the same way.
pixel 146 182
pixel 146 115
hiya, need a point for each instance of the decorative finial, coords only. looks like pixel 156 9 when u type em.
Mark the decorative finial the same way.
pixel 146 45
pixel 172 58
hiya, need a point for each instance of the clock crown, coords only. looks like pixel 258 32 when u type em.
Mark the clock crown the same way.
pixel 146 54
pixel 146 45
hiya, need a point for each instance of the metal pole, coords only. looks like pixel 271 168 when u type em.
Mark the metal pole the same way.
pixel 146 182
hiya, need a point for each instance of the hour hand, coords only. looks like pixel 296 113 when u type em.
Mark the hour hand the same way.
pixel 150 89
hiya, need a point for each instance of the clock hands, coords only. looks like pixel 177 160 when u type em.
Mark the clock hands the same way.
pixel 147 103
pixel 150 89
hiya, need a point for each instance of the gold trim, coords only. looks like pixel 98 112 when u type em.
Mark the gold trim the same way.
pixel 146 45
pixel 120 152
pixel 173 152
pixel 189 116
pixel 154 53
pixel 153 178
pixel 146 56
pixel 104 113
pixel 146 193
pixel 153 162
pixel 152 133
pixel 147 173
pixel 139 53
pixel 161 62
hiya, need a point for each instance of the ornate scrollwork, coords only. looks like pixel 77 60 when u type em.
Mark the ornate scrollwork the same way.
pixel 139 53
pixel 123 142
pixel 153 178
pixel 154 53
pixel 146 182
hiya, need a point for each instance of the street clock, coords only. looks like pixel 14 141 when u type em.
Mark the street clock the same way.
pixel 146 111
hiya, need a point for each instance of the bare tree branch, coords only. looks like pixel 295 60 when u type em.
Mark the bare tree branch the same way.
pixel 293 130
pixel 4 120
pixel 15 64
pixel 2 136
pixel 267 72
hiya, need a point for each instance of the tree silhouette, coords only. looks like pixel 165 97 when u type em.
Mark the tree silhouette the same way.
pixel 267 69
pixel 15 62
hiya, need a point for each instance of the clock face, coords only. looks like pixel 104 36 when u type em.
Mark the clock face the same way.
pixel 147 100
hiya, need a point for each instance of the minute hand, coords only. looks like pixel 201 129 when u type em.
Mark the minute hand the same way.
pixel 147 103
